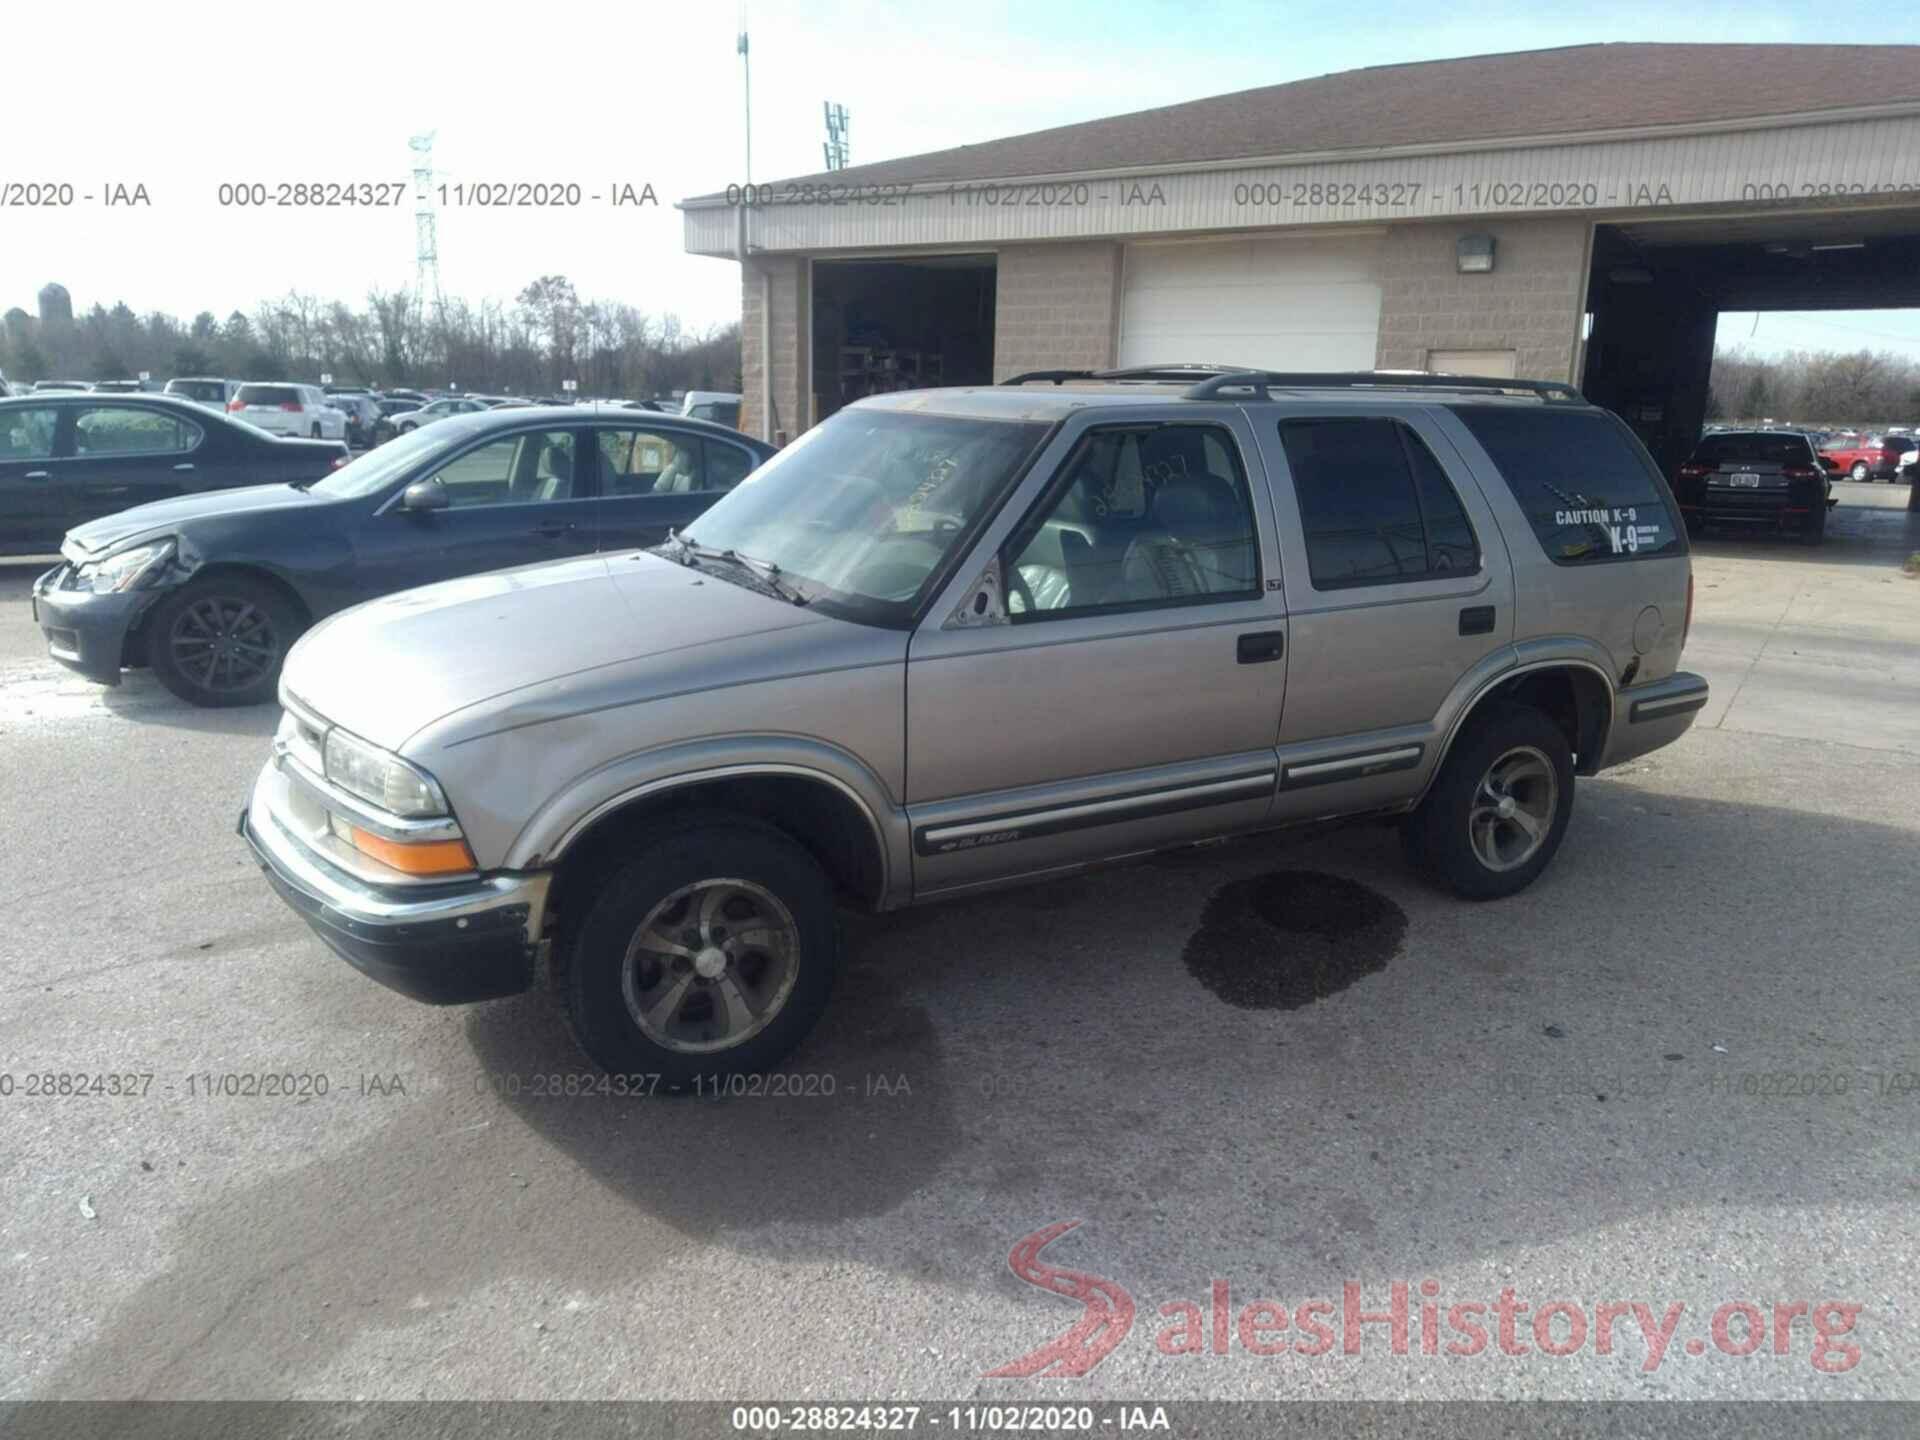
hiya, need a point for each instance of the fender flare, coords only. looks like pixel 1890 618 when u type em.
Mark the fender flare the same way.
pixel 1487 687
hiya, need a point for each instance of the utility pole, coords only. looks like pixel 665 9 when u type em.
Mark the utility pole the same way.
pixel 746 84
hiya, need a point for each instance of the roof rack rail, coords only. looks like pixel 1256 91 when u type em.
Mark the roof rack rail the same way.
pixel 1550 390
pixel 1172 374
pixel 1050 377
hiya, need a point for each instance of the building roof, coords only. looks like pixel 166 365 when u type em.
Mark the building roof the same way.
pixel 1576 90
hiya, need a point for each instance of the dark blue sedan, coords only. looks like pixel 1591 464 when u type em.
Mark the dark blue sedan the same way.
pixel 210 590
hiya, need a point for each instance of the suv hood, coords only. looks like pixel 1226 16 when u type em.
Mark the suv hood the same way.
pixel 389 668
pixel 162 515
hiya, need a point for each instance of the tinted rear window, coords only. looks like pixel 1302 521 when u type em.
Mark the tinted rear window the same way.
pixel 197 389
pixel 268 395
pixel 1589 490
pixel 1767 449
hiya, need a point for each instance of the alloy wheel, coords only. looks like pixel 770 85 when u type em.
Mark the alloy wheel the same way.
pixel 1513 809
pixel 223 643
pixel 711 965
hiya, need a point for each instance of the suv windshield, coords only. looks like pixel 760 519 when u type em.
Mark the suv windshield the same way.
pixel 377 468
pixel 864 512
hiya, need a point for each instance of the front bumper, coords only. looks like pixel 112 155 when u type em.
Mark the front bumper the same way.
pixel 1646 717
pixel 442 944
pixel 87 632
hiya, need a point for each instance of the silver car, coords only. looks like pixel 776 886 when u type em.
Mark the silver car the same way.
pixel 963 638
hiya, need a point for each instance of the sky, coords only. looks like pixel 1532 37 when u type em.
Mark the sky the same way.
pixel 639 94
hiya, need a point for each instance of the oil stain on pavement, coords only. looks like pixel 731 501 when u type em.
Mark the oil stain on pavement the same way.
pixel 1287 938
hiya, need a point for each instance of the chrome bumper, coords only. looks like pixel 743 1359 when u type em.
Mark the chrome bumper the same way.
pixel 451 943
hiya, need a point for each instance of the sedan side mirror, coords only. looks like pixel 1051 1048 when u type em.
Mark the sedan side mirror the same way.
pixel 425 495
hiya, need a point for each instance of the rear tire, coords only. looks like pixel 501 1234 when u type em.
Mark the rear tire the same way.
pixel 222 641
pixel 707 953
pixel 1499 809
pixel 1860 471
pixel 1816 529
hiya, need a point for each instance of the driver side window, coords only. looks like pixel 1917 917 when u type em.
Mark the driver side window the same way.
pixel 527 469
pixel 1140 518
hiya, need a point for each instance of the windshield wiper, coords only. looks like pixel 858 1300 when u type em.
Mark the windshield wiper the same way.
pixel 765 571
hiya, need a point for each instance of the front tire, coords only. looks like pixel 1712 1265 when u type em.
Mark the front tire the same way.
pixel 707 953
pixel 1495 817
pixel 222 641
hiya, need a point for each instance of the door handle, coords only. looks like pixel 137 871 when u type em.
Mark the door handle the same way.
pixel 552 532
pixel 36 475
pixel 1261 646
pixel 187 466
pixel 1476 620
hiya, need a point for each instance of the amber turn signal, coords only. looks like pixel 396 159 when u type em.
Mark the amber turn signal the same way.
pixel 429 857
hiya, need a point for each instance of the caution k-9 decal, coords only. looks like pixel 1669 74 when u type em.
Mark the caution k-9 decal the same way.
pixel 1624 530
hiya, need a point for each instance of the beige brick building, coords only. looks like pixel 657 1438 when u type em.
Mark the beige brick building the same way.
pixel 1581 214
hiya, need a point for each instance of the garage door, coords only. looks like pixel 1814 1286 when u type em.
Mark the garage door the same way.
pixel 1268 304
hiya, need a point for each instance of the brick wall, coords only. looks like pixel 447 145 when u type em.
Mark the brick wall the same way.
pixel 1530 303
pixel 788 335
pixel 1056 307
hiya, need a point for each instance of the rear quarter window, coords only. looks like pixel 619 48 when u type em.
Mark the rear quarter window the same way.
pixel 1589 490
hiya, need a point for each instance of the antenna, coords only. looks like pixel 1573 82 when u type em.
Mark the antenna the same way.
pixel 426 241
pixel 836 146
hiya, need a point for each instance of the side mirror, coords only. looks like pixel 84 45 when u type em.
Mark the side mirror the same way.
pixel 425 495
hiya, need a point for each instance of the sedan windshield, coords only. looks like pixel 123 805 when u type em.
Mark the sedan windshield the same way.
pixel 863 513
pixel 377 468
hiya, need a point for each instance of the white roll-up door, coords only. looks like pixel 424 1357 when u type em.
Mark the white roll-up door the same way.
pixel 1273 304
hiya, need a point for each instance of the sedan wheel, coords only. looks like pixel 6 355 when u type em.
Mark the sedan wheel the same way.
pixel 221 642
pixel 1860 471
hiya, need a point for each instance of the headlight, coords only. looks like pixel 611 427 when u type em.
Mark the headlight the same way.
pixel 384 780
pixel 124 569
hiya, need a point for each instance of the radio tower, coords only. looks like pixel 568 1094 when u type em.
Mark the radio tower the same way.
pixel 426 244
pixel 836 144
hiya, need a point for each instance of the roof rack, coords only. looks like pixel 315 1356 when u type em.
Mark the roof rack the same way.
pixel 1173 374
pixel 1209 389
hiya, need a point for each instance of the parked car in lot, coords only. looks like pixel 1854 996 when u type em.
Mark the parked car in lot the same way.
pixel 211 590
pixel 435 410
pixel 953 639
pixel 363 416
pixel 1757 479
pixel 286 409
pixel 66 459
pixel 41 386
pixel 117 387
pixel 1868 457
pixel 722 406
pixel 214 393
